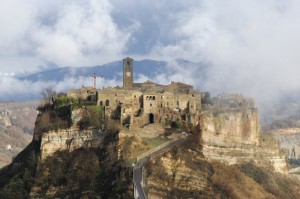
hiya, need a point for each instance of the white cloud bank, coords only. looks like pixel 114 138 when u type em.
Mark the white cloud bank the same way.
pixel 251 46
pixel 74 32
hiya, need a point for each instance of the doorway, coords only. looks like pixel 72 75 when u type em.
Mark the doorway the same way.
pixel 151 118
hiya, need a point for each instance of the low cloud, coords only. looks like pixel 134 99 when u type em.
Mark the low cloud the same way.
pixel 251 46
pixel 13 89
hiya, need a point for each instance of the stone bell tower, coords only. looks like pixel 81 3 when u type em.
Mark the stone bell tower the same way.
pixel 128 73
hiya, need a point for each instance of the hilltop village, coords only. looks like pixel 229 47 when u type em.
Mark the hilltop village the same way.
pixel 139 104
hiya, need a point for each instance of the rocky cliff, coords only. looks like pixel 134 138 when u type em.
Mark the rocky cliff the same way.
pixel 70 140
pixel 289 141
pixel 87 156
pixel 229 129
pixel 185 173
pixel 80 163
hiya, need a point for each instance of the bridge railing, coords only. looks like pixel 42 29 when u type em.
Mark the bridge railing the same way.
pixel 155 149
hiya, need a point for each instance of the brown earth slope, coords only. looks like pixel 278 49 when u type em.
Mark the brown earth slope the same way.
pixel 16 128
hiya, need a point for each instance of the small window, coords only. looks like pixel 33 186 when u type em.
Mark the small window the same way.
pixel 150 104
pixel 107 103
pixel 134 96
pixel 153 98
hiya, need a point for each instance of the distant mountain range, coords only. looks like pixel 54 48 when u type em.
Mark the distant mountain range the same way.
pixel 149 68
pixel 62 79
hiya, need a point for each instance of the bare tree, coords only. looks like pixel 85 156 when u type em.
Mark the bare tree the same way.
pixel 48 95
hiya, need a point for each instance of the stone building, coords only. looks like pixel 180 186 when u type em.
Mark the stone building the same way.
pixel 138 104
pixel 225 120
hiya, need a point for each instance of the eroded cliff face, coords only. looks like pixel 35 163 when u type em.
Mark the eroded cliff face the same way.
pixel 233 136
pixel 230 128
pixel 81 161
pixel 185 173
pixel 70 140
pixel 289 141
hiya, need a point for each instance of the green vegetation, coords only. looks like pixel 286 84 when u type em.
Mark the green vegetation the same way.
pixel 63 100
pixel 93 116
pixel 176 124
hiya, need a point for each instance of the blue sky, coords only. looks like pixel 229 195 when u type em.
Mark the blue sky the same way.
pixel 251 45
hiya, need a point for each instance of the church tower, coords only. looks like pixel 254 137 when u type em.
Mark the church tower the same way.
pixel 128 73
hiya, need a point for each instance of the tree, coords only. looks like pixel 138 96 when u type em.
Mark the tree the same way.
pixel 48 95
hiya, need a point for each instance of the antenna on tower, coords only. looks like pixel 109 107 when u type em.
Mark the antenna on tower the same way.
pixel 94 76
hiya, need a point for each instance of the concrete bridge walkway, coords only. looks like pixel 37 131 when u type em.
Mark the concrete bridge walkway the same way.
pixel 138 180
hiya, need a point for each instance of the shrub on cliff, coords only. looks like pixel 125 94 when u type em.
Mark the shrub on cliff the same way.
pixel 277 184
pixel 63 100
pixel 93 116
pixel 51 121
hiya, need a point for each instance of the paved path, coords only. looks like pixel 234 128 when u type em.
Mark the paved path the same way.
pixel 142 159
pixel 137 179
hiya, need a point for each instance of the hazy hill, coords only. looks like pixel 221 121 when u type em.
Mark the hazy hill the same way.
pixel 16 128
pixel 149 68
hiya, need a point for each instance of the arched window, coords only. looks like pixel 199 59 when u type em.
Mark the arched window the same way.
pixel 101 103
pixel 153 97
pixel 107 103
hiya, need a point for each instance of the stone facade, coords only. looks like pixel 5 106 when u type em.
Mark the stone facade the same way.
pixel 138 104
pixel 128 73
pixel 84 93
